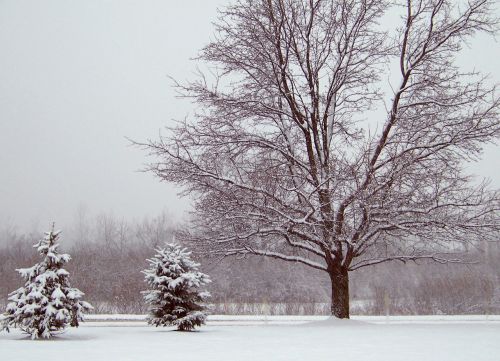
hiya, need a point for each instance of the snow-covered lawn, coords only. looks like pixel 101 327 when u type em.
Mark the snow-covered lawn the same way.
pixel 319 340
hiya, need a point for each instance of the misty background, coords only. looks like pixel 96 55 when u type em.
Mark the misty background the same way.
pixel 78 77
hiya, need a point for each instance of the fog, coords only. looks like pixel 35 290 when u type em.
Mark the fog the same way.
pixel 78 77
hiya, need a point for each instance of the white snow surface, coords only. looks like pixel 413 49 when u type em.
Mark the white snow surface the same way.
pixel 118 319
pixel 323 339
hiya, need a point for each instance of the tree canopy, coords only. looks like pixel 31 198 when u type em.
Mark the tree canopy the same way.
pixel 286 157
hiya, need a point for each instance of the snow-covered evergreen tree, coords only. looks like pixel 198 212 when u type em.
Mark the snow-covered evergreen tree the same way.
pixel 174 297
pixel 46 303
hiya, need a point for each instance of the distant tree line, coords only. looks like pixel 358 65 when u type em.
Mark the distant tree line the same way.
pixel 109 254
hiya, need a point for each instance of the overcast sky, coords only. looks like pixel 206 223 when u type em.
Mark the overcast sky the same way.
pixel 77 77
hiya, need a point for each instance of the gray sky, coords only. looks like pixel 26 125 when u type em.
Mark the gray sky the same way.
pixel 77 77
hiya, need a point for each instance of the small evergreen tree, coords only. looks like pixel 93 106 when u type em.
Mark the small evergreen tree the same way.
pixel 174 298
pixel 46 303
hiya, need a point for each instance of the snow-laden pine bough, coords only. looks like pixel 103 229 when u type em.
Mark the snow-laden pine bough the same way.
pixel 174 298
pixel 47 303
pixel 287 159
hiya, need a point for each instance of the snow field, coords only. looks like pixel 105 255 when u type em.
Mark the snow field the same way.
pixel 319 340
pixel 139 320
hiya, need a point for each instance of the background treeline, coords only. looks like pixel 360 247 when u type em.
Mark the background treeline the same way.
pixel 109 253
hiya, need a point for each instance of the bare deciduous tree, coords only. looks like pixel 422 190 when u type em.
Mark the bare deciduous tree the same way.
pixel 281 162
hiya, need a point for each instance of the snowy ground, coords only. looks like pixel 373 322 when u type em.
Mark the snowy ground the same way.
pixel 133 319
pixel 225 338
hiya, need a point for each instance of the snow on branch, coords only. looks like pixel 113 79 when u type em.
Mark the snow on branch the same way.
pixel 277 255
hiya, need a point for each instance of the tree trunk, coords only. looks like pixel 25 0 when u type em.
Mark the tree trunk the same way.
pixel 340 292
